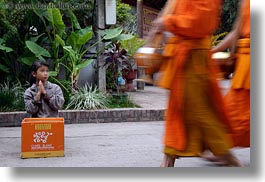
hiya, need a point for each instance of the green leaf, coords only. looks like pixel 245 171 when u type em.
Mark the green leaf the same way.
pixel 53 73
pixel 6 49
pixel 41 58
pixel 34 39
pixel 84 64
pixel 41 13
pixel 37 50
pixel 124 37
pixel 69 49
pixel 72 39
pixel 84 35
pixel 74 20
pixel 55 17
pixel 28 60
pixel 71 52
pixel 59 41
pixel 3 47
pixel 4 68
pixel 112 33
pixel 2 41
pixel 132 45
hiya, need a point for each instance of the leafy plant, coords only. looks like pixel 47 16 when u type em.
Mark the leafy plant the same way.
pixel 229 13
pixel 11 97
pixel 10 46
pixel 131 46
pixel 125 17
pixel 110 79
pixel 72 44
pixel 5 66
pixel 121 101
pixel 116 58
pixel 75 50
pixel 88 97
pixel 37 50
pixel 54 26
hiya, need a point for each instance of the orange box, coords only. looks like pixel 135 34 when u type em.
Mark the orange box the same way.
pixel 42 137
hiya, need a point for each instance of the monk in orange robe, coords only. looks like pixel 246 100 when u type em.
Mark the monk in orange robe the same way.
pixel 237 100
pixel 195 117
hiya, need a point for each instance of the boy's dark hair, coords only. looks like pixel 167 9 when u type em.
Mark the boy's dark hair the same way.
pixel 35 66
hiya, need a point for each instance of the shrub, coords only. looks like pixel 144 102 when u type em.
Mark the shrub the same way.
pixel 121 101
pixel 11 97
pixel 88 97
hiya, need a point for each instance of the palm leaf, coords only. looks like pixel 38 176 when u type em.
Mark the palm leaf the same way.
pixel 37 50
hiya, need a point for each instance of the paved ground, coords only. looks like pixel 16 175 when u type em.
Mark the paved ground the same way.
pixel 156 97
pixel 133 144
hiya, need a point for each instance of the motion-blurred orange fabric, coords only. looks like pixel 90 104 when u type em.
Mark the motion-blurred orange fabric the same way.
pixel 237 100
pixel 193 22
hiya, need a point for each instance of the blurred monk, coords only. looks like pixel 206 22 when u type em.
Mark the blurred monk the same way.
pixel 237 100
pixel 195 117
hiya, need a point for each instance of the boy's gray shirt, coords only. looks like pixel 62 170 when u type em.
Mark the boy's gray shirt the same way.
pixel 48 105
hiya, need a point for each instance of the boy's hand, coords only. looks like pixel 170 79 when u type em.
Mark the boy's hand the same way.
pixel 41 88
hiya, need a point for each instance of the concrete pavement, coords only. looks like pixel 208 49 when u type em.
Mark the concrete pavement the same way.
pixel 156 97
pixel 130 144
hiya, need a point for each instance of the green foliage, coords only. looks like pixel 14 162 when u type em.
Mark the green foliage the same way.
pixel 132 45
pixel 88 98
pixel 65 86
pixel 116 58
pixel 11 97
pixel 121 101
pixel 110 79
pixel 229 13
pixel 11 43
pixel 123 12
pixel 72 45
pixel 74 48
pixel 37 50
pixel 5 65
pixel 112 33
pixel 3 47
pixel 54 26
pixel 126 18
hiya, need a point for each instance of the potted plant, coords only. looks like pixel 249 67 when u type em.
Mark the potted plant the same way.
pixel 130 71
pixel 116 59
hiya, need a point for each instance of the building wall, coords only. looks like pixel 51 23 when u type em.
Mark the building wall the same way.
pixel 149 15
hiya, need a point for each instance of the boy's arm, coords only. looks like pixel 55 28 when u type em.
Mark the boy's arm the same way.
pixel 56 100
pixel 32 102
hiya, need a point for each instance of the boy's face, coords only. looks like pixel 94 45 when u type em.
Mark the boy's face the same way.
pixel 42 73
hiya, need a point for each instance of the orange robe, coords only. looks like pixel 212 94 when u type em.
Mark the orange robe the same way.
pixel 237 100
pixel 192 23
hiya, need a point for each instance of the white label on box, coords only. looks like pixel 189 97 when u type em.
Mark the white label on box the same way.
pixel 41 136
